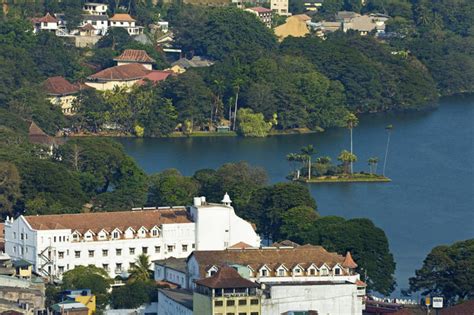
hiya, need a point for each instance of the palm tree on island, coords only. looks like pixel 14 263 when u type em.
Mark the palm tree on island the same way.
pixel 373 161
pixel 306 153
pixel 294 159
pixel 351 123
pixel 389 133
pixel 347 158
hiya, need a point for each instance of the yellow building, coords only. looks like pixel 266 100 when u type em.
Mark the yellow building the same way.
pixel 84 297
pixel 61 93
pixel 294 26
pixel 226 292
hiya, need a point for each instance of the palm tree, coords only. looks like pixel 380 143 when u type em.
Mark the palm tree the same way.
pixel 293 158
pixel 351 123
pixel 141 268
pixel 346 158
pixel 389 132
pixel 307 152
pixel 373 164
pixel 236 85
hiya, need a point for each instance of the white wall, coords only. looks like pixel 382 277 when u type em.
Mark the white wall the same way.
pixel 218 227
pixel 167 306
pixel 62 245
pixel 325 299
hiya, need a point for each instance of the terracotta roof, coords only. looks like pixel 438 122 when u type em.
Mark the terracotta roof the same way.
pixel 349 262
pixel 272 257
pixel 37 136
pixel 48 18
pixel 226 277
pixel 155 76
pixel 466 308
pixel 241 245
pixel 285 243
pixel 59 86
pixel 131 71
pixel 360 283
pixel 260 9
pixel 82 222
pixel 122 17
pixel 135 55
pixel 88 27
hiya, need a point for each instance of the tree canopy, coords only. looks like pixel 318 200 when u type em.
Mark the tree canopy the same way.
pixel 448 270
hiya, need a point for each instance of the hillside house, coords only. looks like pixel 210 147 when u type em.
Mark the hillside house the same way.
pixel 125 21
pixel 129 56
pixel 46 23
pixel 280 7
pixel 95 8
pixel 263 14
pixel 61 93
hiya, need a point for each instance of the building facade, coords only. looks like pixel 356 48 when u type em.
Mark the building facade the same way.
pixel 95 8
pixel 263 14
pixel 125 21
pixel 280 7
pixel 61 93
pixel 292 279
pixel 54 244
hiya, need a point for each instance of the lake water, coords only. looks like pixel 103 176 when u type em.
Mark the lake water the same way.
pixel 431 162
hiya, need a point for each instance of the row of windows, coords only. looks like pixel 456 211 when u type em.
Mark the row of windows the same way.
pixel 232 302
pixel 240 313
pixel 23 236
pixel 118 251
pixel 21 250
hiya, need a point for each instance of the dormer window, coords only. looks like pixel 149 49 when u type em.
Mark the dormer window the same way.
pixel 337 271
pixel 281 272
pixel 212 271
pixel 264 271
pixel 142 232
pixel 116 233
pixel 102 235
pixel 89 235
pixel 129 232
pixel 324 270
pixel 155 231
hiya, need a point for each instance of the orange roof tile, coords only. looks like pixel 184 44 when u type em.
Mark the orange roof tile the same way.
pixel 131 71
pixel 48 18
pixel 155 76
pixel 135 55
pixel 96 221
pixel 122 17
pixel 241 245
pixel 272 257
pixel 226 277
pixel 349 262
pixel 59 86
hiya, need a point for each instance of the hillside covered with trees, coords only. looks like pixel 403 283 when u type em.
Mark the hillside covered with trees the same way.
pixel 306 83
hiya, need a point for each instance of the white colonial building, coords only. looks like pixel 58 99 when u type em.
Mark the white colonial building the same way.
pixel 55 244
pixel 95 8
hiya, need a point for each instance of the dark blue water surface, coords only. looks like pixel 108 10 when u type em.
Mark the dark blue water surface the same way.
pixel 431 162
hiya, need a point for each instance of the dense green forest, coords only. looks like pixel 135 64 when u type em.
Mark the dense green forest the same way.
pixel 301 83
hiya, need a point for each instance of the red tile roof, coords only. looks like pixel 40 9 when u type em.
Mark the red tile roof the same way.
pixel 261 10
pixel 48 18
pixel 108 220
pixel 241 245
pixel 122 17
pixel 82 222
pixel 226 277
pixel 59 86
pixel 88 27
pixel 135 55
pixel 305 256
pixel 131 71
pixel 37 136
pixel 349 262
pixel 155 76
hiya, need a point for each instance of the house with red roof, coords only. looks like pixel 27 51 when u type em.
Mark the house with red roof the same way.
pixel 61 93
pixel 45 23
pixel 125 21
pixel 263 14
pixel 135 56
